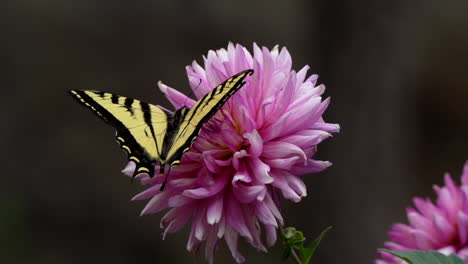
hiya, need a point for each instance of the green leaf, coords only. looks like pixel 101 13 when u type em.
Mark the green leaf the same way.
pixel 422 257
pixel 306 253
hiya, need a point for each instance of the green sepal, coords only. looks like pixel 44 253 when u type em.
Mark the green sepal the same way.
pixel 286 253
pixel 293 237
pixel 294 240
pixel 422 257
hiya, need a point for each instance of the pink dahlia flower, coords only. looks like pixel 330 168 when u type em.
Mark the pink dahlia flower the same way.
pixel 442 226
pixel 251 151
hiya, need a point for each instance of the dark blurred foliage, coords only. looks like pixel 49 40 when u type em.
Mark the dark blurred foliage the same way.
pixel 396 72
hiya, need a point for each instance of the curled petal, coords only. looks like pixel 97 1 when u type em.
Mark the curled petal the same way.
pixel 261 171
pixel 237 156
pixel 256 143
pixel 241 176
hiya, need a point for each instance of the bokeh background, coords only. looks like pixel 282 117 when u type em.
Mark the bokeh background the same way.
pixel 397 72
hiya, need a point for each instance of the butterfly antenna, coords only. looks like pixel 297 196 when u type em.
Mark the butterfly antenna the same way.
pixel 134 175
pixel 161 170
pixel 192 92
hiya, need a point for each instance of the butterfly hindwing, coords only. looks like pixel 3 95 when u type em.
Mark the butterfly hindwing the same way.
pixel 201 112
pixel 140 126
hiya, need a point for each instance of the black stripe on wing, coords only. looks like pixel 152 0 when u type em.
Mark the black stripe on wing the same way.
pixel 126 140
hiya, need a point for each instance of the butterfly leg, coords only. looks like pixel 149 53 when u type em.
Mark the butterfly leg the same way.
pixel 163 185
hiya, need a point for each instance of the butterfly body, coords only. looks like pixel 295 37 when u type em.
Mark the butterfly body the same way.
pixel 150 134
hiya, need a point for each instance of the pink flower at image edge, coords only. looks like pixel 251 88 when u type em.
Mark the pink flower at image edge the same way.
pixel 250 153
pixel 441 226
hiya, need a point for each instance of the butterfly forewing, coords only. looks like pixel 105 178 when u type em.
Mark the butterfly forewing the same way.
pixel 141 127
pixel 204 109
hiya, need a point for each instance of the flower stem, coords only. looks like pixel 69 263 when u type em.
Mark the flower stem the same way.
pixel 295 258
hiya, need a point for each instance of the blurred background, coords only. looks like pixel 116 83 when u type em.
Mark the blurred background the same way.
pixel 397 72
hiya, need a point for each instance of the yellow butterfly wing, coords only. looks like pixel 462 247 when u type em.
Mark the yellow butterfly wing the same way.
pixel 141 127
pixel 201 112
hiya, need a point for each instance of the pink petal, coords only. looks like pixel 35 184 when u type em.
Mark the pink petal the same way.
pixel 231 240
pixel 276 150
pixel 463 254
pixel 423 240
pixel 307 138
pixel 210 162
pixel 330 128
pixel 465 174
pixel 215 210
pixel 256 143
pixel 237 156
pixel 157 203
pixel 179 200
pixel 274 210
pixel 235 219
pixel 284 60
pixel 210 246
pixel 285 164
pixel 205 192
pixel 312 166
pixel 261 171
pixel 420 222
pixel 281 183
pixel 175 219
pixel 199 225
pixel 424 206
pixel 296 184
pixel 463 227
pixel 252 225
pixel 265 215
pixel 443 227
pixel 129 169
pixel 301 74
pixel 193 243
pixel 241 176
pixel 148 193
pixel 176 98
pixel 248 194
pixel 270 231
